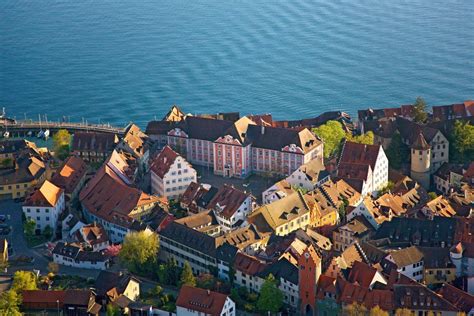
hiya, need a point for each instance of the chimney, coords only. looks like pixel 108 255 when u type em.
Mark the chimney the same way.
pixel 263 130
pixel 208 292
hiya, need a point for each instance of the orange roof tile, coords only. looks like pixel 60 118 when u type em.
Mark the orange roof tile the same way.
pixel 47 195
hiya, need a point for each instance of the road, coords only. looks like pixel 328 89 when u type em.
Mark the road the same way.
pixel 20 248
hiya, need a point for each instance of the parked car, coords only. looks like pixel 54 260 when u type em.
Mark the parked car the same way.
pixel 5 229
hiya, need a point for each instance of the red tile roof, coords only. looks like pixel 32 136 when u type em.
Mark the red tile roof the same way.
pixel 362 274
pixel 70 174
pixel 109 197
pixel 360 154
pixel 201 300
pixel 350 293
pixel 229 199
pixel 162 163
pixel 47 195
pixel 248 264
pixel 459 298
pixel 96 142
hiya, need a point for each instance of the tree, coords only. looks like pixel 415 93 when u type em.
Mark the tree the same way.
pixel 462 140
pixel 187 277
pixel 432 195
pixel 387 188
pixel 10 302
pixel 355 309
pixel 112 310
pixel 420 114
pixel 48 232
pixel 61 143
pixel 271 298
pixel 53 267
pixel 24 280
pixel 403 312
pixel 367 138
pixel 377 311
pixel 139 250
pixel 29 227
pixel 397 152
pixel 332 135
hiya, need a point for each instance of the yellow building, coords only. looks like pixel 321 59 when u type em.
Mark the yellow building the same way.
pixel 282 216
pixel 20 174
pixel 437 266
pixel 323 212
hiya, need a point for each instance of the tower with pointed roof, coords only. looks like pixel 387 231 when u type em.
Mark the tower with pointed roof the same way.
pixel 421 161
pixel 309 266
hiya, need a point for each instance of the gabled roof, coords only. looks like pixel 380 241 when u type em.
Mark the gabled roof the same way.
pixel 92 234
pixel 107 281
pixel 96 142
pixel 440 207
pixel 419 297
pixel 47 195
pixel 174 114
pixel 162 163
pixel 360 154
pixel 459 298
pixel 279 212
pixel 248 264
pixel 406 256
pixel 70 174
pixel 314 170
pixel 362 274
pixel 107 196
pixel 228 200
pixel 201 300
pixel 281 269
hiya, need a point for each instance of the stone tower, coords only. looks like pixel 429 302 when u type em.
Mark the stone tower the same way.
pixel 309 264
pixel 421 161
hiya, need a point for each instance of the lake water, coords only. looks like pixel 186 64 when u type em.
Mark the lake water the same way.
pixel 117 61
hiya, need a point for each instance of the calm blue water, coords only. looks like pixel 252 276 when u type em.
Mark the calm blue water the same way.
pixel 130 60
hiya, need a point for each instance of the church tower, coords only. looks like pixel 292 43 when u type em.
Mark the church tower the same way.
pixel 309 264
pixel 421 161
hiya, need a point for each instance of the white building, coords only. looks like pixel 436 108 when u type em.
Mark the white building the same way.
pixel 277 191
pixel 72 255
pixel 199 302
pixel 44 206
pixel 409 262
pixel 171 174
pixel 309 176
pixel 364 167
pixel 231 206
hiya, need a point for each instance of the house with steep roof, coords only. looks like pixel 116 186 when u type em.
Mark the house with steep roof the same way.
pixel 231 206
pixel 71 177
pixel 112 285
pixel 282 216
pixel 197 197
pixel 309 176
pixel 364 167
pixel 110 200
pixel 408 261
pixel 439 206
pixel 459 298
pixel 92 146
pixel 277 191
pixel 196 301
pixel 92 236
pixel 356 230
pixel 44 206
pixel 22 170
pixel 453 111
pixel 171 174
pixel 135 142
pixel 74 255
pixel 67 302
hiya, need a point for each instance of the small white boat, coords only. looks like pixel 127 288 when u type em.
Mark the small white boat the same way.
pixel 40 134
pixel 6 134
pixel 29 133
pixel 46 133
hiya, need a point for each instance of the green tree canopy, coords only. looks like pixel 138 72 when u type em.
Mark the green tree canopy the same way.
pixel 29 227
pixel 420 114
pixel 332 135
pixel 139 250
pixel 187 276
pixel 355 309
pixel 112 310
pixel 462 140
pixel 61 143
pixel 377 311
pixel 397 152
pixel 24 280
pixel 367 138
pixel 10 303
pixel 432 195
pixel 271 297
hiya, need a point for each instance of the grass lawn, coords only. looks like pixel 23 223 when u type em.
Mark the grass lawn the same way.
pixel 71 282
